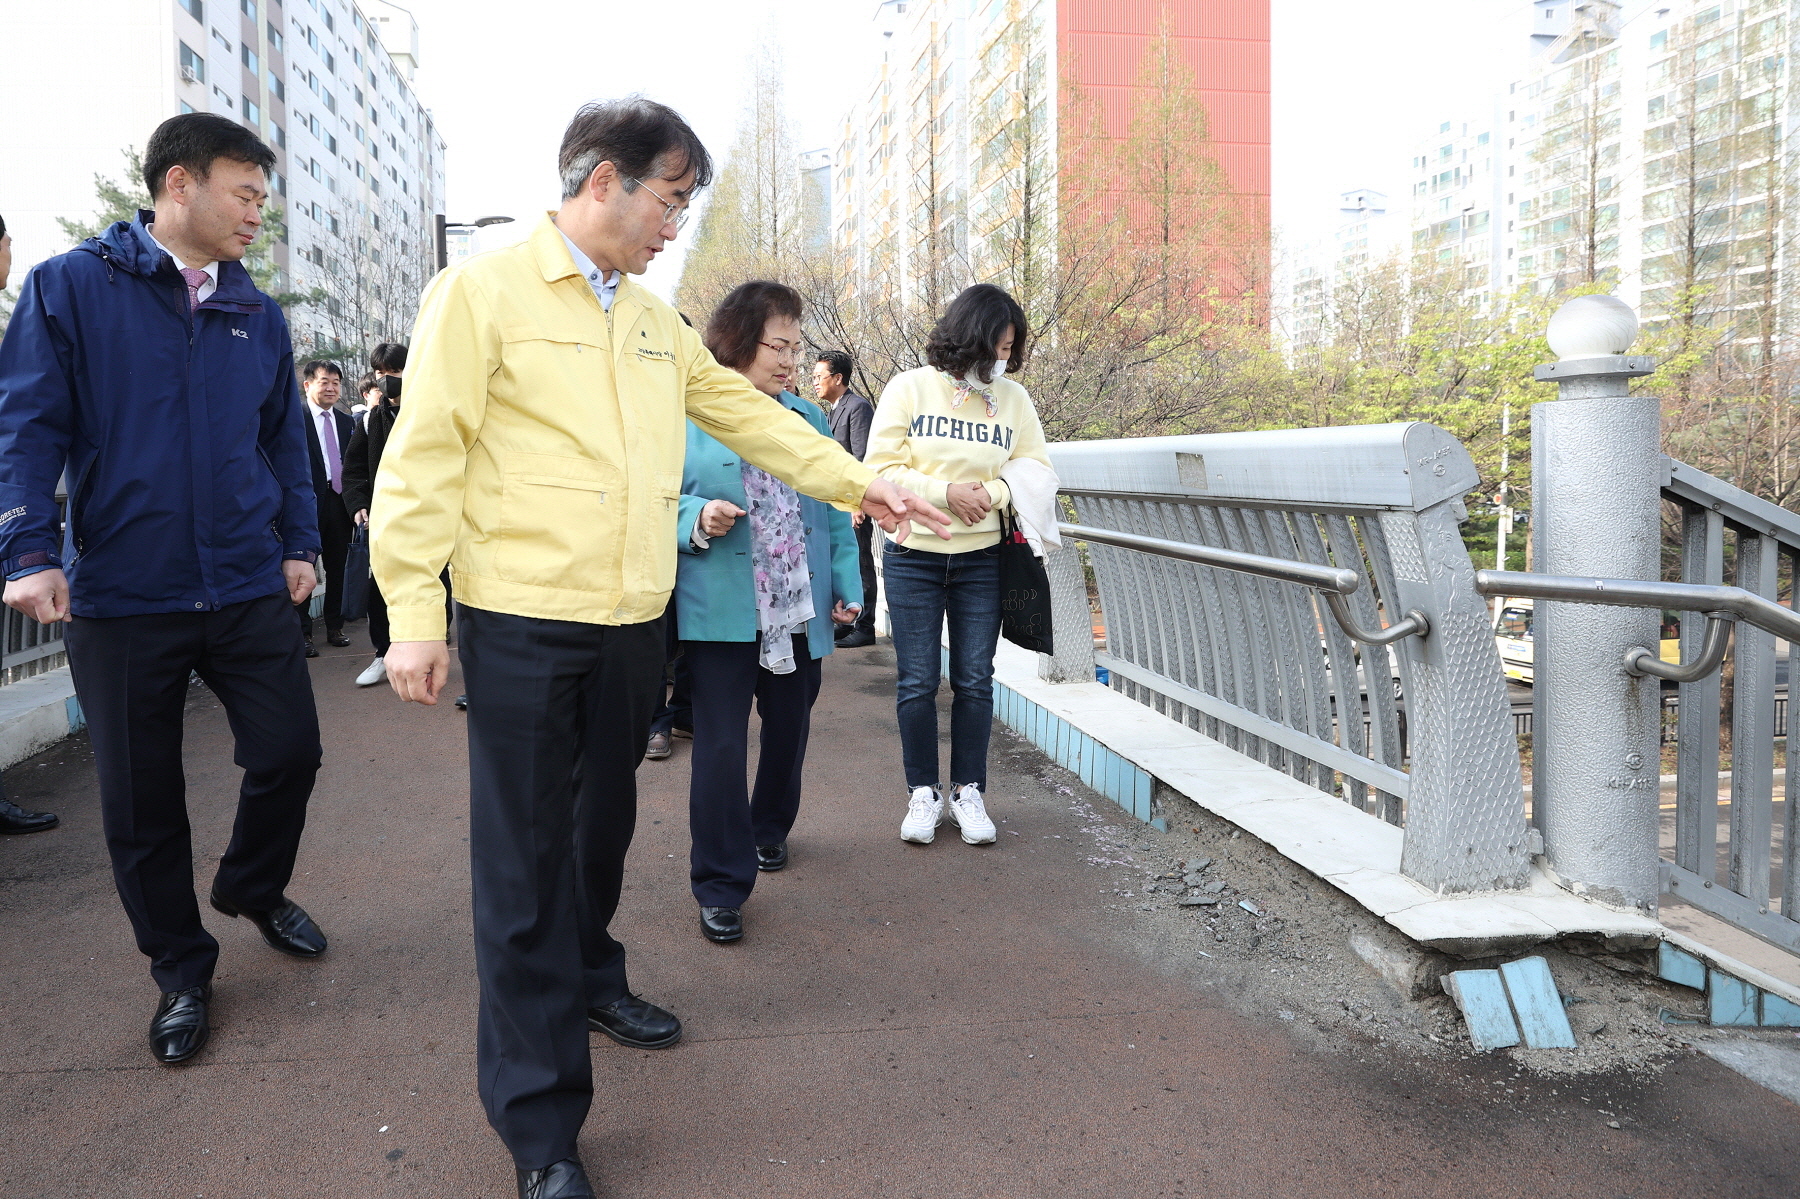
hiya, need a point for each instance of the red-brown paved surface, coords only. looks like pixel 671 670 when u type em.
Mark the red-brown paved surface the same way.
pixel 900 1021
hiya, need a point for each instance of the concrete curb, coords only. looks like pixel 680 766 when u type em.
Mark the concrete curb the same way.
pixel 1356 852
pixel 36 713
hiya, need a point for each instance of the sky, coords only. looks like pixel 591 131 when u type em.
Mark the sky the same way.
pixel 1356 85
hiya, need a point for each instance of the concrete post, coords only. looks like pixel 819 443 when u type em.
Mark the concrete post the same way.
pixel 1596 463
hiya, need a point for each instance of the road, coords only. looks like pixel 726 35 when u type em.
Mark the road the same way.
pixel 899 1021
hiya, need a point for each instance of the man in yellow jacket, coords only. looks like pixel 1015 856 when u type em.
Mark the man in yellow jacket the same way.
pixel 540 455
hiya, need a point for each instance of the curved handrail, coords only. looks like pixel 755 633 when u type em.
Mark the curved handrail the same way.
pixel 1335 581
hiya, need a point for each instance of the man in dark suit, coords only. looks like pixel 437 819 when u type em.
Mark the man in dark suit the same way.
pixel 851 416
pixel 328 434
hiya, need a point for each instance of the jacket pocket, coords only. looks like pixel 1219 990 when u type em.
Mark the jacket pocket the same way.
pixel 561 522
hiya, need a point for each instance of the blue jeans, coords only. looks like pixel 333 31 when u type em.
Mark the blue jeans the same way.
pixel 923 588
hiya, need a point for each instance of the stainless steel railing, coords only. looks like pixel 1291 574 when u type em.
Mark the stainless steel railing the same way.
pixel 1335 583
pixel 1240 580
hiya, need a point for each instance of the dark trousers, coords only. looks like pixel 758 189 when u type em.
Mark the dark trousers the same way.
pixel 727 820
pixel 677 711
pixel 865 554
pixel 334 535
pixel 132 675
pixel 558 716
pixel 924 591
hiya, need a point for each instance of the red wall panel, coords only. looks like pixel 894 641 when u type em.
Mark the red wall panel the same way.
pixel 1225 43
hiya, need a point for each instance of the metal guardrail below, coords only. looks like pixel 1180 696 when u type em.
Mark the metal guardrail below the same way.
pixel 1750 878
pixel 1671 706
pixel 1240 582
pixel 1746 872
pixel 30 648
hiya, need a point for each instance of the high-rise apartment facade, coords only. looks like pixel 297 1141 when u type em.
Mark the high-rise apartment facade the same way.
pixel 1644 149
pixel 964 126
pixel 326 83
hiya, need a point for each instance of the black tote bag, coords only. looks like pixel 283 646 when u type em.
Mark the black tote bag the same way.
pixel 355 583
pixel 1024 591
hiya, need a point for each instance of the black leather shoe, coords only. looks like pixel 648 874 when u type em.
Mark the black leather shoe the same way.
pixel 659 747
pixel 287 928
pixel 312 651
pixel 462 703
pixel 856 639
pixel 14 819
pixel 722 925
pixel 636 1023
pixel 771 858
pixel 558 1180
pixel 337 639
pixel 179 1029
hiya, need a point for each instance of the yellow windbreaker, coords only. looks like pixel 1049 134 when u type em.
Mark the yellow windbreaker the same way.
pixel 540 440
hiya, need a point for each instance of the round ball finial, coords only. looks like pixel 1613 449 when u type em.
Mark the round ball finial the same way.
pixel 1592 327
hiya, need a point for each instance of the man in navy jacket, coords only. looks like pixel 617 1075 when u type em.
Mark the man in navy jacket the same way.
pixel 146 364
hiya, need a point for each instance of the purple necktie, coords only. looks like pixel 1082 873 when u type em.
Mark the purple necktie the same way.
pixel 195 278
pixel 331 449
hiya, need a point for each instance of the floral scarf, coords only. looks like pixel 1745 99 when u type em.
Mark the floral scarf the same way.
pixel 784 600
pixel 966 385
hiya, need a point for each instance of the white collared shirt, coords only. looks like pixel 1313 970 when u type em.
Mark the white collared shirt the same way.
pixel 211 268
pixel 605 286
pixel 334 466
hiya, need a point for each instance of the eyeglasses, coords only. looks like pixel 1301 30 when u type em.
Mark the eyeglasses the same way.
pixel 787 350
pixel 678 213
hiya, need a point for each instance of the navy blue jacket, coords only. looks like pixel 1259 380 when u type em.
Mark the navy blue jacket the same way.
pixel 182 433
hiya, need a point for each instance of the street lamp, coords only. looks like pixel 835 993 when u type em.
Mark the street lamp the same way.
pixel 443 227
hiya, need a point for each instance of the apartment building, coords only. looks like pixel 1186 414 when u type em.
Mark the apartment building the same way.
pixel 1644 148
pixel 1368 233
pixel 961 130
pixel 326 83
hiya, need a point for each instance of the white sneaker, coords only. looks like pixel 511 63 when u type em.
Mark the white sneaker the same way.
pixel 924 812
pixel 969 814
pixel 373 673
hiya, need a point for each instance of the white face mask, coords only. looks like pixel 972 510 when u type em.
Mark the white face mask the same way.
pixel 999 367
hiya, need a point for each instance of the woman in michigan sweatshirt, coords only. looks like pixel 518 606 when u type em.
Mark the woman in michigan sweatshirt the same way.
pixel 945 430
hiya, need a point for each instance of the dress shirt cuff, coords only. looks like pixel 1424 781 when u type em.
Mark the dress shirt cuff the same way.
pixel 697 539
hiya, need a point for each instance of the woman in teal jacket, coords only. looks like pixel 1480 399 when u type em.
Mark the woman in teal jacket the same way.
pixel 764 573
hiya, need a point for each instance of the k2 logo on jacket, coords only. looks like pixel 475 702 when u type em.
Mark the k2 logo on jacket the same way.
pixel 241 333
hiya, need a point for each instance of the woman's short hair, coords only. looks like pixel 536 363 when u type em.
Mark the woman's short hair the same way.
pixel 964 338
pixel 736 326
pixel 388 356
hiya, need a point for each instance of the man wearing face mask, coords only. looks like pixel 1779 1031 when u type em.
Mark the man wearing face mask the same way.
pixel 361 460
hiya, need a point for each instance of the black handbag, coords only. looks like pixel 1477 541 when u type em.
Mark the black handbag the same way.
pixel 1024 591
pixel 354 597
